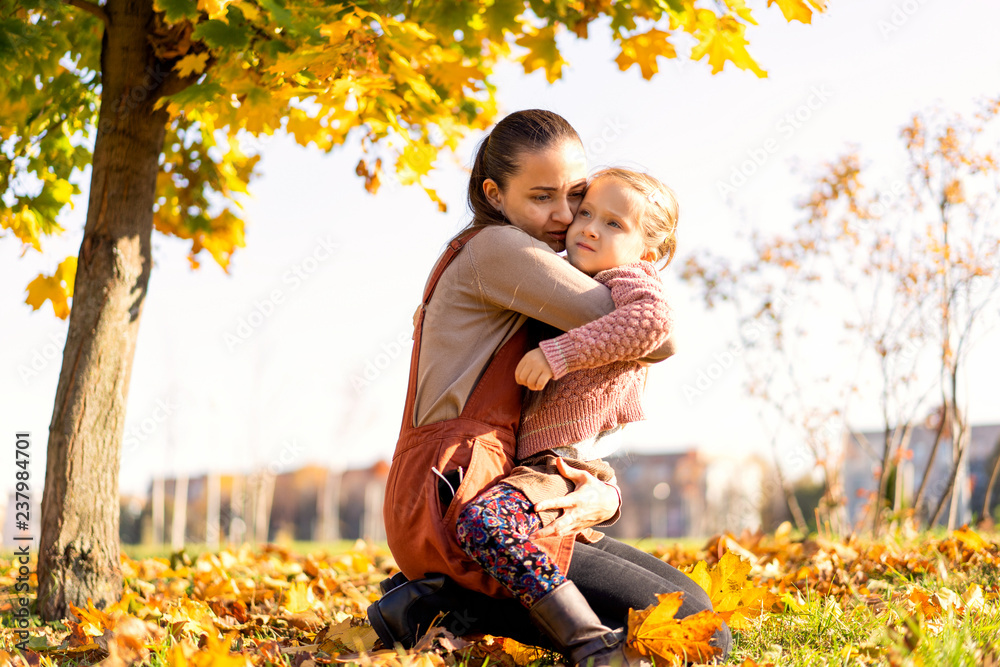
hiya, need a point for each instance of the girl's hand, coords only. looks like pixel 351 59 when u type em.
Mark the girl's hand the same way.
pixel 590 503
pixel 533 371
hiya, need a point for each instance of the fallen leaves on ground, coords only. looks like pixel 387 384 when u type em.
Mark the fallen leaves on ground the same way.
pixel 654 632
pixel 733 595
pixel 273 606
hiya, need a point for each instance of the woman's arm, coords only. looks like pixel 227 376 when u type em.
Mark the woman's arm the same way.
pixel 637 326
pixel 517 272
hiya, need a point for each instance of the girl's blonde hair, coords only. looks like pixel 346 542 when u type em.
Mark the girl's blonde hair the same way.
pixel 659 223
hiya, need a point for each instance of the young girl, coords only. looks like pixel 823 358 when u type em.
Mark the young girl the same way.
pixel 589 383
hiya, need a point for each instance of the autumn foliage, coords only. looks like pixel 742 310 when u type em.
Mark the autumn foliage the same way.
pixel 245 607
pixel 404 83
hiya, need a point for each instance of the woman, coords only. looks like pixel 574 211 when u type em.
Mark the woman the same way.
pixel 463 407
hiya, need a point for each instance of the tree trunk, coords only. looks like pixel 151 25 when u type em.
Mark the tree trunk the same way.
pixel 237 510
pixel 889 439
pixel 988 500
pixel 212 484
pixel 178 523
pixel 79 548
pixel 958 434
pixel 918 500
pixel 159 510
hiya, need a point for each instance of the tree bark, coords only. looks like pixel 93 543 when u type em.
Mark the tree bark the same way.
pixel 79 548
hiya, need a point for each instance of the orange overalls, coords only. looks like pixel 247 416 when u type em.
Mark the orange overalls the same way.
pixel 481 441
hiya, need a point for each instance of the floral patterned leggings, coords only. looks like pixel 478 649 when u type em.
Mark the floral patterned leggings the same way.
pixel 494 528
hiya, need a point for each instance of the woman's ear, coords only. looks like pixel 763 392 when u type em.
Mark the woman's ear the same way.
pixel 492 192
pixel 649 256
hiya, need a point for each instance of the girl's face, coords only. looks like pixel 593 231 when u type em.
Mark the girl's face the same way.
pixel 607 231
pixel 545 194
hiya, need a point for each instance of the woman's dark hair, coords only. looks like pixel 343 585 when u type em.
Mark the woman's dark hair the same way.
pixel 499 154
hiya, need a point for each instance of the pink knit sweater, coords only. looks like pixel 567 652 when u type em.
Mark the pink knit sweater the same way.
pixel 597 381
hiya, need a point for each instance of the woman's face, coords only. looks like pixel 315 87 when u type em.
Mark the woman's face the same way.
pixel 544 195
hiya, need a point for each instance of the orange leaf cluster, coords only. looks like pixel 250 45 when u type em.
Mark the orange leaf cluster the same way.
pixel 654 632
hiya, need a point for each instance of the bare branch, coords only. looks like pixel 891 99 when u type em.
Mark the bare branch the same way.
pixel 91 8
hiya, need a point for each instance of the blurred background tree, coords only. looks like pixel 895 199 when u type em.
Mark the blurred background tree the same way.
pixel 896 276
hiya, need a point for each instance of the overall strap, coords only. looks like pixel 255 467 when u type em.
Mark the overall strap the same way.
pixel 443 262
pixel 497 398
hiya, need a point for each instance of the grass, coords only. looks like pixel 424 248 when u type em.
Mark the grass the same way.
pixel 823 633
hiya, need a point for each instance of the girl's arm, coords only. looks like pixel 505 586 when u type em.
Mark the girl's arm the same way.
pixel 517 272
pixel 639 324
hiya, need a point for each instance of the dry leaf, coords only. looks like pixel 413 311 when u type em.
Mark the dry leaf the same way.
pixel 654 631
pixel 733 595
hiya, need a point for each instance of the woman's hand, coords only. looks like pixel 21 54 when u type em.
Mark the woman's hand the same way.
pixel 533 371
pixel 590 503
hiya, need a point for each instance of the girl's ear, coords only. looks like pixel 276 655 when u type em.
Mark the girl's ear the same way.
pixel 492 192
pixel 649 256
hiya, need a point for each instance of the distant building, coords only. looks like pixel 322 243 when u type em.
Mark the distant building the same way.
pixel 311 503
pixel 663 495
pixel 862 460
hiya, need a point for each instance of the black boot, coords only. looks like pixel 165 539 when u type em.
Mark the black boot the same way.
pixel 404 612
pixel 407 609
pixel 395 580
pixel 566 617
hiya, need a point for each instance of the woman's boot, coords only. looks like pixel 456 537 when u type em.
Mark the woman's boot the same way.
pixel 406 610
pixel 566 617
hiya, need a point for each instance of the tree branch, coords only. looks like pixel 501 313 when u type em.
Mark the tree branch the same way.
pixel 90 8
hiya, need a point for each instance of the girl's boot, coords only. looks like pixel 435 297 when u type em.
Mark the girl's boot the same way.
pixel 566 617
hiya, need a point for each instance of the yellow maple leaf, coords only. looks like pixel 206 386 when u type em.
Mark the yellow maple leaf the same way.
pixel 214 8
pixel 656 633
pixel 299 597
pixel 456 74
pixel 57 288
pixel 741 9
pixel 732 593
pixel 192 63
pixel 798 10
pixel 522 654
pixel 215 654
pixel 542 52
pixel 721 39
pixel 969 538
pixel 343 637
pixel 643 49
pixel 415 161
pixel 26 225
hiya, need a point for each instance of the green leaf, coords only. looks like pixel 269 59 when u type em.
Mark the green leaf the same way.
pixel 501 14
pixel 199 93
pixel 279 14
pixel 221 35
pixel 622 19
pixel 177 10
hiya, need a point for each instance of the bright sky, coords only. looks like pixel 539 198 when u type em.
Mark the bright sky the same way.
pixel 291 393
